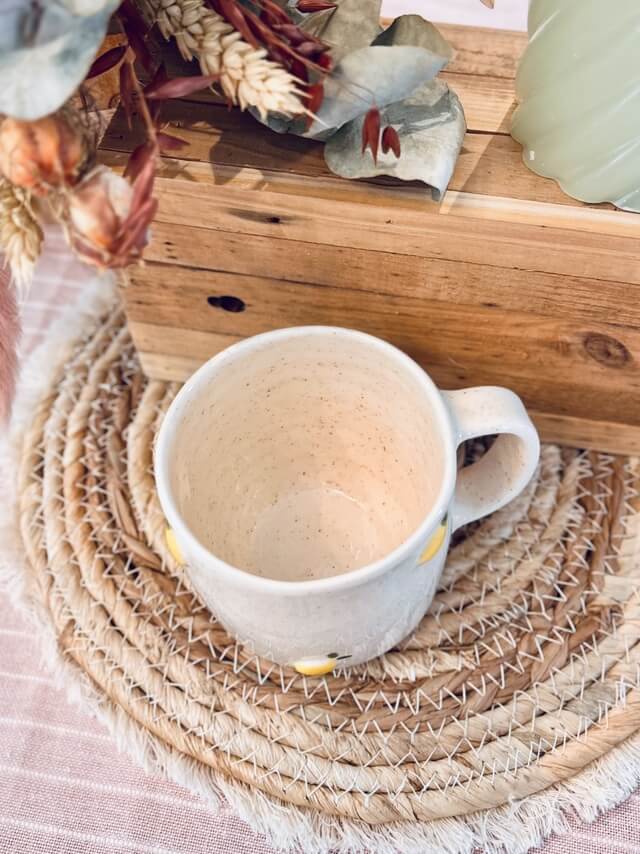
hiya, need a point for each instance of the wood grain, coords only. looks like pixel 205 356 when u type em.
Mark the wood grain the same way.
pixel 484 52
pixel 455 266
pixel 586 433
pixel 478 51
pixel 481 76
pixel 488 102
pixel 506 282
pixel 237 140
pixel 280 189
pixel 513 263
pixel 556 364
pixel 606 436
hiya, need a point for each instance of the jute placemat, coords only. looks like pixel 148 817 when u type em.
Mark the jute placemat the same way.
pixel 516 698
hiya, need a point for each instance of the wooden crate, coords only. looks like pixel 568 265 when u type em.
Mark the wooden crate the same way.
pixel 507 282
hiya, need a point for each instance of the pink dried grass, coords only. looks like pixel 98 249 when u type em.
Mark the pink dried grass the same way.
pixel 9 337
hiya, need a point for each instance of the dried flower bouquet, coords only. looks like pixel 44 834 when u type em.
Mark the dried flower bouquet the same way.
pixel 316 68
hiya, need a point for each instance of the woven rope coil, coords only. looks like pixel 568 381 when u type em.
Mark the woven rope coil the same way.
pixel 524 670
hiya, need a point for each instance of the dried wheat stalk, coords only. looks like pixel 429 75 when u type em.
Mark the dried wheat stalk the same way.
pixel 20 235
pixel 247 77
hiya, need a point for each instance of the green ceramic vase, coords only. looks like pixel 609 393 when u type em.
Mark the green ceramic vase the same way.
pixel 578 87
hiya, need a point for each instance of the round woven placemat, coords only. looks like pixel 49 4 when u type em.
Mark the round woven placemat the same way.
pixel 524 671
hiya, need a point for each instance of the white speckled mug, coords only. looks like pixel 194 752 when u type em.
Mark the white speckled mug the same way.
pixel 309 479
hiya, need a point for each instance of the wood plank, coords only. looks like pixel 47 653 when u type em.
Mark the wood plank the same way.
pixel 562 430
pixel 235 138
pixel 557 365
pixel 200 346
pixel 507 281
pixel 418 268
pixel 409 204
pixel 236 141
pixel 593 219
pixel 394 199
pixel 581 433
pixel 489 57
pixel 513 246
pixel 488 102
pixel 478 51
pixel 484 52
pixel 489 164
pixel 232 138
pixel 169 367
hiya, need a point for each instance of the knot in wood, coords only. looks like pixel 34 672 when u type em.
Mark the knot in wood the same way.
pixel 607 350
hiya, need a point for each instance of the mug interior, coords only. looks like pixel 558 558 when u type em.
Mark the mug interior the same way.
pixel 306 456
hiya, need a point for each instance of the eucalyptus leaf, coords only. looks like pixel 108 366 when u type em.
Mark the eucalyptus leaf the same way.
pixel 351 25
pixel 373 76
pixel 431 127
pixel 414 30
pixel 46 53
pixel 310 22
pixel 395 74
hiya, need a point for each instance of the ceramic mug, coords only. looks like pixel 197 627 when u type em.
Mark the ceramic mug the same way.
pixel 309 479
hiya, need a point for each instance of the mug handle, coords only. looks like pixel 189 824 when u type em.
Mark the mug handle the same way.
pixel 508 466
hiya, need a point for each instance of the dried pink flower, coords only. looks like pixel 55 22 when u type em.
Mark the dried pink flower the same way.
pixel 108 218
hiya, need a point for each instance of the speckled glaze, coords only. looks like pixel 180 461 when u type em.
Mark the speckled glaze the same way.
pixel 308 476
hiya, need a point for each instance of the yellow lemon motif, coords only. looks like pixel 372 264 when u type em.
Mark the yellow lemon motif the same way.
pixel 172 545
pixel 315 666
pixel 435 543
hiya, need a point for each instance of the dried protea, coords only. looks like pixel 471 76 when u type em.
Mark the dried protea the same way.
pixel 43 154
pixel 20 235
pixel 107 218
pixel 247 77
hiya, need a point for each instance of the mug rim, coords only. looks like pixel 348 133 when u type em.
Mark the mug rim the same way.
pixel 168 431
